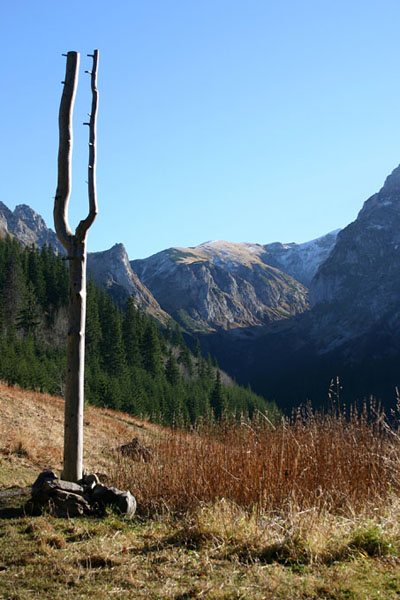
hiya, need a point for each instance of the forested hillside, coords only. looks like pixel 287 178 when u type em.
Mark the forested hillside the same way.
pixel 131 364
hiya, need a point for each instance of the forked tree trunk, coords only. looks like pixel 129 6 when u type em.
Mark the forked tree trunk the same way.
pixel 75 245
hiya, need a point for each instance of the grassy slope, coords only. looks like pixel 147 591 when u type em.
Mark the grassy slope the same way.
pixel 215 552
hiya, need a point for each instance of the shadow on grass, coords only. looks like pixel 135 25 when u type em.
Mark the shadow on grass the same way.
pixel 12 512
pixel 12 503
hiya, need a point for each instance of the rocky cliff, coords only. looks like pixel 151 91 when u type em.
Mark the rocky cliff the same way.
pixel 112 270
pixel 358 285
pixel 301 261
pixel 27 226
pixel 352 330
pixel 254 313
pixel 221 285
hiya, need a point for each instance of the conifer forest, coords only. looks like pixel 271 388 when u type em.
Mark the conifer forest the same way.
pixel 131 364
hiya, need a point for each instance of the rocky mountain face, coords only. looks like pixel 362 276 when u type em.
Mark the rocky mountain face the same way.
pixel 285 317
pixel 358 285
pixel 352 330
pixel 301 261
pixel 215 286
pixel 112 270
pixel 27 227
pixel 221 285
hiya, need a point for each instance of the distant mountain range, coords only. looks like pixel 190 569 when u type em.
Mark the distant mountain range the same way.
pixel 214 286
pixel 352 327
pixel 284 317
pixel 221 285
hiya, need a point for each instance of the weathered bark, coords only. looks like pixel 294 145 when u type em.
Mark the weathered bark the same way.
pixel 75 245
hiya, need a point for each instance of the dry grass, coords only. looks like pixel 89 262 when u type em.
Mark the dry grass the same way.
pixel 304 509
pixel 319 462
pixel 217 552
pixel 31 433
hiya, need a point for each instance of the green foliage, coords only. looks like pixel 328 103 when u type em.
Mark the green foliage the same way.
pixel 151 349
pixel 172 370
pixel 131 364
pixel 217 398
pixel 28 318
pixel 371 541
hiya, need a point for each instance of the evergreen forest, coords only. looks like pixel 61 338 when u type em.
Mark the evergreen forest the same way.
pixel 131 363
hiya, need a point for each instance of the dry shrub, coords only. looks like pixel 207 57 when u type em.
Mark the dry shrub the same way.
pixel 337 462
pixel 20 448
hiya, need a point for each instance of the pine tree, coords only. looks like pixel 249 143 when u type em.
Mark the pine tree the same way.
pixel 209 371
pixel 55 275
pixel 172 370
pixel 35 275
pixel 197 349
pixel 113 352
pixel 93 326
pixel 168 332
pixel 178 337
pixel 28 318
pixel 14 286
pixel 131 332
pixel 217 400
pixel 151 351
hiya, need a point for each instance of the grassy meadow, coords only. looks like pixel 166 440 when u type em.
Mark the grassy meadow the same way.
pixel 301 508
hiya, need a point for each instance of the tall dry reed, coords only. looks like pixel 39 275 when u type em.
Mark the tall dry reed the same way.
pixel 336 462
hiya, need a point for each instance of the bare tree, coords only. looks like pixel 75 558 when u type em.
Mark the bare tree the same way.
pixel 75 245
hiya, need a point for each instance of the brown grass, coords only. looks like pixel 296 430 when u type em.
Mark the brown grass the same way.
pixel 301 509
pixel 323 462
pixel 31 432
pixel 342 464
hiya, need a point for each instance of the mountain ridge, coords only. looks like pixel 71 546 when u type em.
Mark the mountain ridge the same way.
pixel 220 285
pixel 27 226
pixel 351 332
pixel 111 269
pixel 216 285
pixel 264 325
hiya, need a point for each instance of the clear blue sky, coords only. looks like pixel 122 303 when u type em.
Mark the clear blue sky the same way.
pixel 244 120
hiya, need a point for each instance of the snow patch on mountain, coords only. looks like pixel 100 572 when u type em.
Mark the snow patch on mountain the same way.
pixel 301 261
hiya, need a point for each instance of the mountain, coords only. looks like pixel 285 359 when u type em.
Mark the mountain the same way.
pixel 301 261
pixel 221 285
pixel 358 285
pixel 285 317
pixel 352 330
pixel 112 270
pixel 215 286
pixel 27 226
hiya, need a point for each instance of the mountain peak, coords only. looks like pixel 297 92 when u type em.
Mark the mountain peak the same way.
pixel 382 207
pixel 4 209
pixel 31 218
pixel 111 269
pixel 392 182
pixel 118 250
pixel 24 209
pixel 27 226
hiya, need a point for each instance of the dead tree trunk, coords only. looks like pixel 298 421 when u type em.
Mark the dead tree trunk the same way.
pixel 75 245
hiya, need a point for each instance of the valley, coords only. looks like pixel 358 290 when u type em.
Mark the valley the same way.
pixel 285 318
